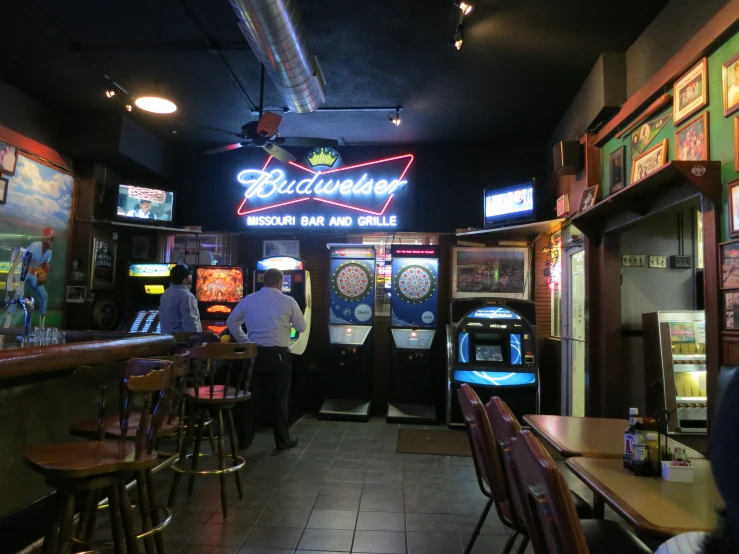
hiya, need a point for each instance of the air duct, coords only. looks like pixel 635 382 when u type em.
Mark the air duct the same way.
pixel 276 34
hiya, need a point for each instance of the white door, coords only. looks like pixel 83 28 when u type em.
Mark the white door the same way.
pixel 577 334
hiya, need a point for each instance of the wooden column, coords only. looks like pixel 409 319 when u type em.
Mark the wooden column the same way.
pixel 712 299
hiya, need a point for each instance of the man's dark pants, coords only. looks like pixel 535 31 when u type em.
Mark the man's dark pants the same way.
pixel 270 387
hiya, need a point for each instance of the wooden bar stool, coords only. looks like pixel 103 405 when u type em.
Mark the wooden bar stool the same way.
pixel 102 464
pixel 206 396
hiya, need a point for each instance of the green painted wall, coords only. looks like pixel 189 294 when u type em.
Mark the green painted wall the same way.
pixel 721 130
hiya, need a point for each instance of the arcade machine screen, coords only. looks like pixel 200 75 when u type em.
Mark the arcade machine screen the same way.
pixel 218 290
pixel 146 284
pixel 287 284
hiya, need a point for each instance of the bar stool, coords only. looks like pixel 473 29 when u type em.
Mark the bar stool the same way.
pixel 93 466
pixel 206 396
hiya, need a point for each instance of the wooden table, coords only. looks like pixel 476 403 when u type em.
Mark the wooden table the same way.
pixel 649 504
pixel 588 437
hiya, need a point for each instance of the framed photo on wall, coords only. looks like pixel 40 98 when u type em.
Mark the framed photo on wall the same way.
pixel 732 193
pixel 8 158
pixel 730 85
pixel 731 310
pixel 729 259
pixel 691 140
pixel 650 161
pixel 617 166
pixel 102 271
pixel 289 248
pixel 691 92
pixel 588 199
pixel 736 143
pixel 499 272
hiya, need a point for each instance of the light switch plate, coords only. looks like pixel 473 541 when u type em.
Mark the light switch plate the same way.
pixel 638 260
pixel 625 260
pixel 659 262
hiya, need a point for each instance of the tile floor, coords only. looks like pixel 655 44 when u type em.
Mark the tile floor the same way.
pixel 344 489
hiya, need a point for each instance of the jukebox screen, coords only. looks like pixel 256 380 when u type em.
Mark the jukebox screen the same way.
pixel 218 284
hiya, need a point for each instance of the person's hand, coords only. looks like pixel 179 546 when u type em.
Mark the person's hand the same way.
pixel 41 275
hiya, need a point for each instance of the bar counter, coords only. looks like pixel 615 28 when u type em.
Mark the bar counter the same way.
pixel 40 396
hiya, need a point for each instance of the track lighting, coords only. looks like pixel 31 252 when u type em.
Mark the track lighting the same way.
pixel 458 40
pixel 129 107
pixel 394 118
pixel 110 93
pixel 464 7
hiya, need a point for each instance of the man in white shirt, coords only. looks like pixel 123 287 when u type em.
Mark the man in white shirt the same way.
pixel 178 307
pixel 144 211
pixel 268 315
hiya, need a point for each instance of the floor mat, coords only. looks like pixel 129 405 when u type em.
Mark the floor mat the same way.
pixel 442 442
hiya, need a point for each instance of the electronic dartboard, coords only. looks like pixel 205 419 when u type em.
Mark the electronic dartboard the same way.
pixel 352 281
pixel 415 286
pixel 352 285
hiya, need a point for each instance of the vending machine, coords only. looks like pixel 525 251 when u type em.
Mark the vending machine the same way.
pixel 675 368
pixel 491 346
pixel 413 310
pixel 295 283
pixel 218 289
pixel 145 285
pixel 348 371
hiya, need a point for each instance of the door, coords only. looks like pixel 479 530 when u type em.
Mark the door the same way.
pixel 573 334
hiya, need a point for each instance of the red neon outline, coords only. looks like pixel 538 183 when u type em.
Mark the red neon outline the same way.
pixel 355 208
pixel 375 162
pixel 239 212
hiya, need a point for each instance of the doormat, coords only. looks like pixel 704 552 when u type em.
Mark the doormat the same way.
pixel 443 442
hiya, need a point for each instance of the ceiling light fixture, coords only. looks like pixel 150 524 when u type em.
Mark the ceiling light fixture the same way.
pixel 129 107
pixel 155 104
pixel 110 93
pixel 458 40
pixel 394 117
pixel 464 7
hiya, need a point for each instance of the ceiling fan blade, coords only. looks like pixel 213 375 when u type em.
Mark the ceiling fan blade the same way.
pixel 207 128
pixel 269 123
pixel 226 148
pixel 279 153
pixel 310 141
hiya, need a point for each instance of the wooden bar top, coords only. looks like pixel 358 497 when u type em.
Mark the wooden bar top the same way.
pixel 37 360
pixel 650 504
pixel 589 437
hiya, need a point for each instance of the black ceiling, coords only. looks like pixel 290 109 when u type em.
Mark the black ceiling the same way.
pixel 522 62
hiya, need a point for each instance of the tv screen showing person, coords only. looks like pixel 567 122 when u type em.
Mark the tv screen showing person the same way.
pixel 144 203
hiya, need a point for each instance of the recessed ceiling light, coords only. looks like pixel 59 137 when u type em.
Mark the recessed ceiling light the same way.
pixel 155 104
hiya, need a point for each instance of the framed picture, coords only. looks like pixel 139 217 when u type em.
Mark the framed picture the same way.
pixel 650 161
pixel 588 199
pixel 691 140
pixel 76 295
pixel 691 92
pixel 8 158
pixel 281 248
pixel 736 143
pixel 618 179
pixel 730 85
pixel 731 310
pixel 499 271
pixel 729 258
pixel 102 272
pixel 140 247
pixel 3 190
pixel 732 193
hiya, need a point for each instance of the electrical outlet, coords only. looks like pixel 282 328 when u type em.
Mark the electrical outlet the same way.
pixel 681 262
pixel 659 262
pixel 638 260
pixel 625 260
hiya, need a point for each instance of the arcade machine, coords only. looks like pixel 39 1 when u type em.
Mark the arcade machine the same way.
pixel 348 390
pixel 218 289
pixel 295 283
pixel 146 284
pixel 413 307
pixel 675 368
pixel 491 346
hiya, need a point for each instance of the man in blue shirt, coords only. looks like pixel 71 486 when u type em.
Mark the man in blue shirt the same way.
pixel 268 315
pixel 38 270
pixel 178 307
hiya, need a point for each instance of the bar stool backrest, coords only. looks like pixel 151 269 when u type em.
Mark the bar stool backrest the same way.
pixel 482 444
pixel 242 356
pixel 180 371
pixel 506 428
pixel 551 517
pixel 187 340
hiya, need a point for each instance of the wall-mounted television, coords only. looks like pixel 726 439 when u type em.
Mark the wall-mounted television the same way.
pixel 144 204
pixel 509 205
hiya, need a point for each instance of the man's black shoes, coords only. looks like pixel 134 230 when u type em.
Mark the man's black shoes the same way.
pixel 292 443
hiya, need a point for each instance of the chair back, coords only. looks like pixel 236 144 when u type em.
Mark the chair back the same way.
pixel 239 366
pixel 505 429
pixel 180 371
pixel 482 444
pixel 186 340
pixel 551 517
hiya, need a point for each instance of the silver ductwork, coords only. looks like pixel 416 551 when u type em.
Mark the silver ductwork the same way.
pixel 276 34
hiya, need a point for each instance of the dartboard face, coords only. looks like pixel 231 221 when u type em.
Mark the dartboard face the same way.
pixel 352 281
pixel 415 284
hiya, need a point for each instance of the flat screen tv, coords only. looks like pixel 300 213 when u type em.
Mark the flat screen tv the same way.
pixel 509 205
pixel 144 204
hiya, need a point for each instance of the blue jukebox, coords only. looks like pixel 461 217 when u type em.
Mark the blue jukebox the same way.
pixel 414 310
pixel 348 374
pixel 491 346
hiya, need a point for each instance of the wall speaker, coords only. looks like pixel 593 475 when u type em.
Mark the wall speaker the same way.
pixel 567 157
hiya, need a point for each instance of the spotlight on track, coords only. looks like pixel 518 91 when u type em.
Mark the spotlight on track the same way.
pixel 110 93
pixel 464 7
pixel 458 40
pixel 394 117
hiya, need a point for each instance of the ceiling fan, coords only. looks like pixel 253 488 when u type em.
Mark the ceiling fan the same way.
pixel 265 134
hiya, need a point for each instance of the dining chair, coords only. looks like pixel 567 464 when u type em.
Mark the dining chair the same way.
pixel 550 513
pixel 490 474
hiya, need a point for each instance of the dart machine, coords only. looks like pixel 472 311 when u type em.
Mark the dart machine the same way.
pixel 413 307
pixel 218 289
pixel 145 286
pixel 348 388
pixel 295 283
pixel 491 346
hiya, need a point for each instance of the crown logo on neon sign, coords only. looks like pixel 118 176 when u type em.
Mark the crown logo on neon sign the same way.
pixel 322 157
pixel 330 186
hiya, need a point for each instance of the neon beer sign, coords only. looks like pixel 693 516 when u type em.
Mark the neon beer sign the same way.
pixel 323 194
